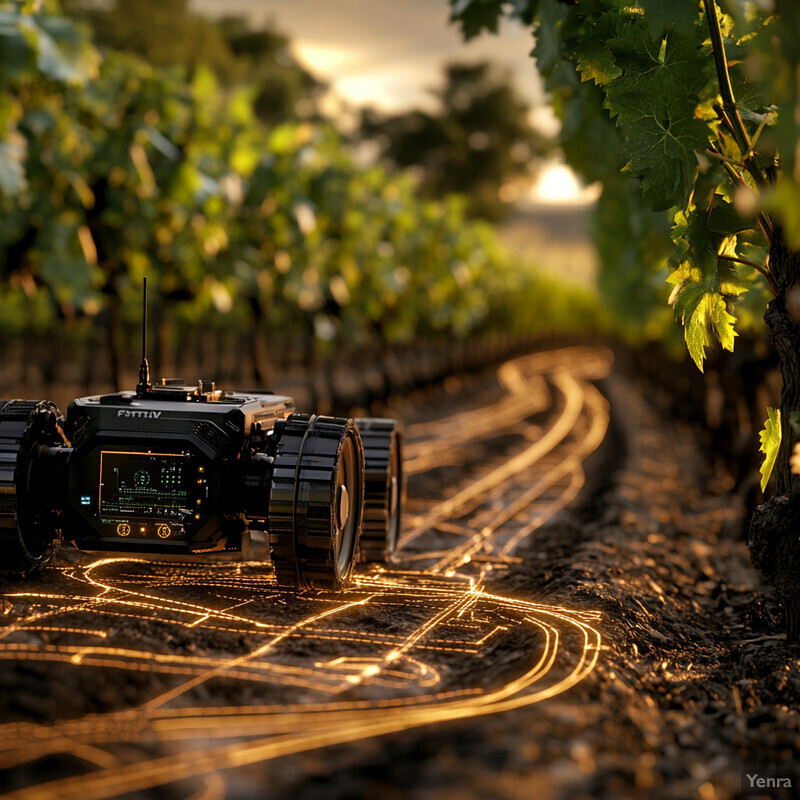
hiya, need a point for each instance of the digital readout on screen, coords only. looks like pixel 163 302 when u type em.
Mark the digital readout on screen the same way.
pixel 143 484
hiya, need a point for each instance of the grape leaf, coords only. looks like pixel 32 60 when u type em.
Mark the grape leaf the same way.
pixel 678 14
pixel 770 444
pixel 657 102
pixel 705 311
pixel 661 144
pixel 525 10
pixel 587 35
pixel 704 283
pixel 722 321
pixel 724 219
pixel 589 139
pixel 475 16
pixel 688 292
pixel 596 62
pixel 547 50
pixel 695 330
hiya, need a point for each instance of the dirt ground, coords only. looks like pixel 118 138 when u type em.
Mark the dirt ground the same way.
pixel 693 683
pixel 696 685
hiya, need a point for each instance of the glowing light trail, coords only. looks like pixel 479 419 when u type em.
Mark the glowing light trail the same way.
pixel 379 658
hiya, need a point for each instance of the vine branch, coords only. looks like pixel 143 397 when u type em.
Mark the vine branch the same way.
pixel 756 267
pixel 731 115
pixel 723 76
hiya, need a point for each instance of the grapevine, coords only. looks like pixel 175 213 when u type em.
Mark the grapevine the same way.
pixel 691 108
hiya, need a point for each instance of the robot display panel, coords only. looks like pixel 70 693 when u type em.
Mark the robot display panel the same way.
pixel 144 484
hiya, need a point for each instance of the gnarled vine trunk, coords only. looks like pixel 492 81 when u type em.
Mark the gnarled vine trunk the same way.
pixel 774 539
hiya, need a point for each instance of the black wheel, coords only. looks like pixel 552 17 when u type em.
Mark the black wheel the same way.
pixel 316 501
pixel 383 487
pixel 27 531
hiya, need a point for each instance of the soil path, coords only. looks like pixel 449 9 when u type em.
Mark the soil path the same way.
pixel 126 677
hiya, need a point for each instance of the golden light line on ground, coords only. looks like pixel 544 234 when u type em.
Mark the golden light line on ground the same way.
pixel 443 612
pixel 233 663
pixel 573 392
pixel 527 392
pixel 214 789
pixel 568 467
pixel 108 783
pixel 458 607
pixel 23 624
pixel 452 433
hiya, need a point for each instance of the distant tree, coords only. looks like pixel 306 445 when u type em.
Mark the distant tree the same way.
pixel 478 142
pixel 263 59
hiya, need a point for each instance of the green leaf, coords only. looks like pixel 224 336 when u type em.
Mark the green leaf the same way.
pixel 678 14
pixel 705 283
pixel 659 102
pixel 721 320
pixel 695 332
pixel 725 219
pixel 703 311
pixel 770 444
pixel 685 297
pixel 730 282
pixel 596 63
pixel 475 16
pixel 695 243
pixel 547 51
pixel 661 144
pixel 525 10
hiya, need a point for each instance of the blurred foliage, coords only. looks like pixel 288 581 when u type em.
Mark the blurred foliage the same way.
pixel 112 169
pixel 478 141
pixel 166 33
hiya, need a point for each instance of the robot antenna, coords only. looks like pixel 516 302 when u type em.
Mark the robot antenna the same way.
pixel 144 386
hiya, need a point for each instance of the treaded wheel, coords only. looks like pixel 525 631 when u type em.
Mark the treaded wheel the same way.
pixel 383 487
pixel 316 501
pixel 26 534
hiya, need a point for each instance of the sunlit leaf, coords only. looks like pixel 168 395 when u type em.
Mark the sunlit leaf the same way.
pixel 770 444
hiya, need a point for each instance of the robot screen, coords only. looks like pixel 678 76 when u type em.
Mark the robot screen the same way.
pixel 143 484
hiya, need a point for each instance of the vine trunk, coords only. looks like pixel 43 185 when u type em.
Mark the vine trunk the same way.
pixel 773 539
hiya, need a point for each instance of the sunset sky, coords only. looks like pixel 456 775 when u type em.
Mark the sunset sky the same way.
pixel 390 53
pixel 385 52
